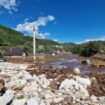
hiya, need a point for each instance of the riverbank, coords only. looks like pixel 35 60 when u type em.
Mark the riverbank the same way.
pixel 95 61
pixel 98 62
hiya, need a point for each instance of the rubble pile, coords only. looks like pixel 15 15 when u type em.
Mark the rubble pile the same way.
pixel 98 84
pixel 19 87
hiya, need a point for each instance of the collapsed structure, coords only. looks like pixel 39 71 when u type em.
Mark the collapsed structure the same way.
pixel 22 88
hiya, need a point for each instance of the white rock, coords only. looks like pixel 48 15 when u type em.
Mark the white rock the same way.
pixel 71 84
pixel 7 97
pixel 32 101
pixel 48 95
pixel 44 80
pixel 19 102
pixel 31 89
pixel 88 61
pixel 101 100
pixel 83 81
pixel 17 82
pixel 58 100
pixel 93 98
pixel 93 79
pixel 77 70
pixel 68 84
pixel 42 103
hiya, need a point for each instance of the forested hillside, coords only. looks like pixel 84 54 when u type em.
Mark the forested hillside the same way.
pixel 86 49
pixel 12 38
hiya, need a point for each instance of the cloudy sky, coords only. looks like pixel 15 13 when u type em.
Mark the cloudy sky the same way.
pixel 61 20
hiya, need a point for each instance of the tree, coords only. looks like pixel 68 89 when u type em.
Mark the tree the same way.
pixel 90 49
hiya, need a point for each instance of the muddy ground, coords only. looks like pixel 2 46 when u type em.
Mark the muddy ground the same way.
pixel 98 85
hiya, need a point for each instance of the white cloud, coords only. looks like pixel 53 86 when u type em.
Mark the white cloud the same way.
pixel 42 35
pixel 26 19
pixel 56 40
pixel 27 27
pixel 51 18
pixel 10 5
pixel 102 38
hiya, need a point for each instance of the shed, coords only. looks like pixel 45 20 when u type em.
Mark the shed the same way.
pixel 14 52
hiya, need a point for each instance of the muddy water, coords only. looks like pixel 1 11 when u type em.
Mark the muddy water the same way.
pixel 72 63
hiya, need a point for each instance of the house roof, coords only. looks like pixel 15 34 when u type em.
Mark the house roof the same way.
pixel 14 52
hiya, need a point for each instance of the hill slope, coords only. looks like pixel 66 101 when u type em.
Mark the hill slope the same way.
pixel 87 49
pixel 12 38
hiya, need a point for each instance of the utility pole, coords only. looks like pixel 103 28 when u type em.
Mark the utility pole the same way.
pixel 34 45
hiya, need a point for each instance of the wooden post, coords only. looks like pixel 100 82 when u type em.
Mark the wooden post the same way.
pixel 34 45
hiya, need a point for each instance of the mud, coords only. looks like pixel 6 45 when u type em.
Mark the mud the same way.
pixel 58 75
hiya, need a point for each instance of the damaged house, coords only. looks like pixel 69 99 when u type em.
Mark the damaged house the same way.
pixel 14 53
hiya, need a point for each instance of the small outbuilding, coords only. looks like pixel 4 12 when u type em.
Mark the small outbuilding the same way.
pixel 14 53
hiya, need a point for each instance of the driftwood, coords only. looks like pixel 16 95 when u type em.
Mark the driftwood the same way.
pixel 2 84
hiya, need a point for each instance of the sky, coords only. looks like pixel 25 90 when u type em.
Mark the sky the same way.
pixel 60 20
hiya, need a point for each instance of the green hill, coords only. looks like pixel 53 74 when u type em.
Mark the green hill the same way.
pixel 11 38
pixel 86 49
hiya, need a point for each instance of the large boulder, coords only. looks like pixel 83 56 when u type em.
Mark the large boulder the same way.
pixel 7 97
pixel 87 61
pixel 77 87
pixel 77 70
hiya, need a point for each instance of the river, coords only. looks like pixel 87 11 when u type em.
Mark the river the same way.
pixel 72 62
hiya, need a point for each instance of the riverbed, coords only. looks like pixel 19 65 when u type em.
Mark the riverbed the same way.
pixel 71 61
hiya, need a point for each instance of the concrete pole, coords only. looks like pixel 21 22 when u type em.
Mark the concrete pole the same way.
pixel 34 45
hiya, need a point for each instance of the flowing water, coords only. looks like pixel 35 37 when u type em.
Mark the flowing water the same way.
pixel 73 63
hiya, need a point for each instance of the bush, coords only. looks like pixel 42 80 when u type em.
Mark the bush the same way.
pixel 90 49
